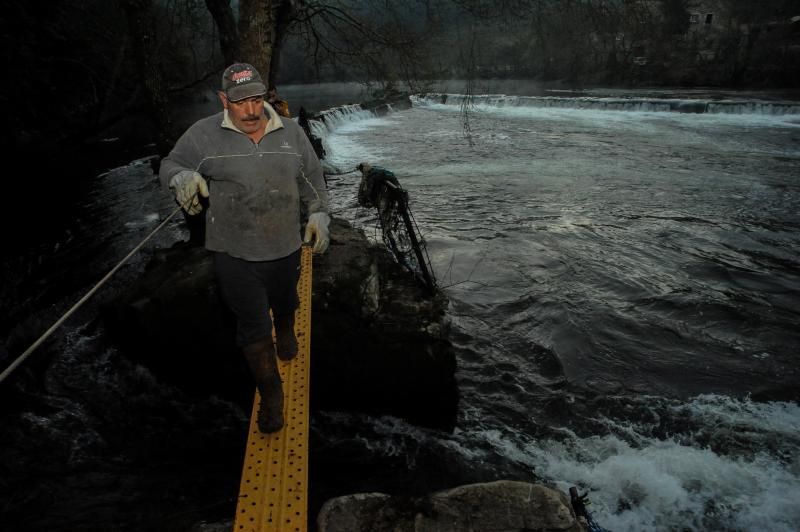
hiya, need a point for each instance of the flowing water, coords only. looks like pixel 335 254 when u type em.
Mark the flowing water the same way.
pixel 624 281
pixel 625 292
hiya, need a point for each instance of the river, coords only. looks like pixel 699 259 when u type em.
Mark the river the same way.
pixel 623 272
pixel 625 289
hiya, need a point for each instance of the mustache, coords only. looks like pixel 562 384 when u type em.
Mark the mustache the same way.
pixel 251 117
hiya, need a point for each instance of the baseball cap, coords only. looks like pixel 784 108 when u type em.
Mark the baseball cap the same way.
pixel 242 80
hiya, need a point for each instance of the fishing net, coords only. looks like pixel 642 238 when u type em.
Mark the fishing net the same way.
pixel 381 190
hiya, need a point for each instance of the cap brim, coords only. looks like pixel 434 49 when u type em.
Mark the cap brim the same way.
pixel 249 90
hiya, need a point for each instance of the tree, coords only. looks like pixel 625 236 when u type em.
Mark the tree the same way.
pixel 228 38
pixel 141 28
pixel 330 30
pixel 163 40
pixel 261 24
pixel 675 14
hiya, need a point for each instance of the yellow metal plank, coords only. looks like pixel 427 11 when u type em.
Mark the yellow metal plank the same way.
pixel 273 493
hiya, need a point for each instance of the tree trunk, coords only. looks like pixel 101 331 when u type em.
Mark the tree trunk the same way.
pixel 144 44
pixel 286 13
pixel 222 14
pixel 258 25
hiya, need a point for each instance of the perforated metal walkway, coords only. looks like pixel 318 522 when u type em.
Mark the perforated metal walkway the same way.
pixel 273 494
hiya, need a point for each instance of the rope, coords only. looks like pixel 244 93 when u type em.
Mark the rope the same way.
pixel 83 300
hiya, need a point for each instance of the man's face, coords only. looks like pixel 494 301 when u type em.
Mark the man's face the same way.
pixel 247 115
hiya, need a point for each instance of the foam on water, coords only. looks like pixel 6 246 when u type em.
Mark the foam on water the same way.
pixel 146 220
pixel 660 105
pixel 339 118
pixel 651 484
pixel 635 481
pixel 779 418
pixel 337 129
pixel 638 482
pixel 665 485
pixel 641 482
pixel 710 463
pixel 611 118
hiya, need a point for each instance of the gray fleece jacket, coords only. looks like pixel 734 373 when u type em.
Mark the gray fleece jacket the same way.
pixel 256 190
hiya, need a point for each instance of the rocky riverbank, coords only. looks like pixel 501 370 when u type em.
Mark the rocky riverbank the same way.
pixel 380 346
pixel 379 343
pixel 503 506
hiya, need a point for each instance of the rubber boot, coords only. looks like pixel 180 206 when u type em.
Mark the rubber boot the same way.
pixel 260 357
pixel 284 335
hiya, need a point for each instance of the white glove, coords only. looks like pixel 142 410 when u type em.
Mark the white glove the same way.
pixel 188 185
pixel 317 227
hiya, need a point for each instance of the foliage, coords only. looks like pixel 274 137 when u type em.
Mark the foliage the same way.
pixel 637 41
pixel 69 61
pixel 359 40
pixel 90 61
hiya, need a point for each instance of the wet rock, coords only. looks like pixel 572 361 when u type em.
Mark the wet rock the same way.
pixel 172 321
pixel 499 506
pixel 379 344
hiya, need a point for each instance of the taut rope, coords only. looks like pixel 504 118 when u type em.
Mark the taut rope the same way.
pixel 83 300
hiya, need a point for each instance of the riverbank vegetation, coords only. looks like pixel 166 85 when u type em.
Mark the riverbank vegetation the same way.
pixel 98 64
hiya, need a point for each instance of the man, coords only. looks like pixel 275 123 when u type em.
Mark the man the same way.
pixel 281 106
pixel 258 172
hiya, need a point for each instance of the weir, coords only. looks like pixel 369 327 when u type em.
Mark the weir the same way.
pixel 327 121
pixel 653 105
pixel 273 492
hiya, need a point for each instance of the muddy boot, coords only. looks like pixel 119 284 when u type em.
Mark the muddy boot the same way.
pixel 270 410
pixel 284 335
pixel 260 357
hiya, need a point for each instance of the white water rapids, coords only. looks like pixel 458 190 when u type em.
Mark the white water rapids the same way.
pixel 654 254
pixel 623 273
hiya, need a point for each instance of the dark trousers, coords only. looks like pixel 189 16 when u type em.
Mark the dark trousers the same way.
pixel 250 289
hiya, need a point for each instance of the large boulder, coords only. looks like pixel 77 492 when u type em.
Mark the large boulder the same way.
pixel 501 506
pixel 379 343
pixel 172 321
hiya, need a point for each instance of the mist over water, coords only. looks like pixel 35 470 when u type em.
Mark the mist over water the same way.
pixel 623 285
